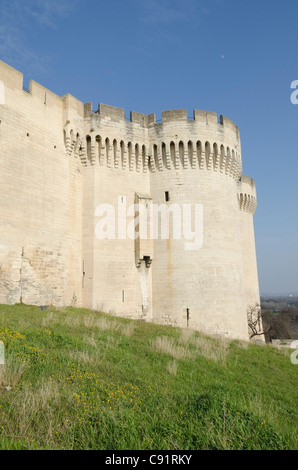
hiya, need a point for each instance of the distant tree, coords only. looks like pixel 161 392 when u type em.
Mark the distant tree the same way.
pixel 280 318
pixel 290 313
pixel 277 326
pixel 269 305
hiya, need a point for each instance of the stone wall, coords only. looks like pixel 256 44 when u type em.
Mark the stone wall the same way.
pixel 40 204
pixel 61 163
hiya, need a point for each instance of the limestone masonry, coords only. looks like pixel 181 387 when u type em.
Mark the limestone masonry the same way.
pixel 61 162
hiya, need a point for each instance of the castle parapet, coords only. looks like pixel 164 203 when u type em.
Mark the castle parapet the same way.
pixel 144 120
pixel 228 124
pixel 247 195
pixel 199 116
pixel 11 77
pixel 174 115
pixel 87 109
pixel 175 142
pixel 205 117
pixel 221 124
pixel 111 112
pixel 118 114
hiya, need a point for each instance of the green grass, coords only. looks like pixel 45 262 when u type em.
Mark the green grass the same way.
pixel 79 379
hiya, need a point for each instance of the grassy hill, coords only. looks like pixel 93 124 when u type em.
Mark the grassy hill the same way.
pixel 78 379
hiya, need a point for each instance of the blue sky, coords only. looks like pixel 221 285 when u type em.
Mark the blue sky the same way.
pixel 234 57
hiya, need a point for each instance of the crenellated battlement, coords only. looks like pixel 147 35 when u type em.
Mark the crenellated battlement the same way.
pixel 11 77
pixel 13 80
pixel 201 117
pixel 13 83
pixel 143 144
pixel 143 154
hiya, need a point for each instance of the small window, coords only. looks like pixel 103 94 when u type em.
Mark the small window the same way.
pixel 123 296
pixel 167 196
pixel 187 316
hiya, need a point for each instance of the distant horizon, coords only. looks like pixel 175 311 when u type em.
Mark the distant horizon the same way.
pixel 294 294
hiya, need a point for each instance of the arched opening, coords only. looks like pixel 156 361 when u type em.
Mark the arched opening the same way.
pixel 215 156
pixel 207 154
pixel 115 153
pixel 122 154
pixel 150 166
pixel 190 153
pixel 173 153
pixel 155 156
pixel 129 150
pixel 144 157
pixel 199 153
pixel 222 158
pixel 107 144
pixel 181 154
pixel 98 147
pixel 88 145
pixel 77 144
pixel 164 154
pixel 137 157
pixel 228 160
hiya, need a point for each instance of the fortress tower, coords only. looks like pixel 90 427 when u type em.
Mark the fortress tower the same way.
pixel 74 183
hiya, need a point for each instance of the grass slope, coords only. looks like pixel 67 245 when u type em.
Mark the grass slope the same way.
pixel 77 379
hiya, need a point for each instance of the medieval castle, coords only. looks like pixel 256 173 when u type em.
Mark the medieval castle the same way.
pixel 62 163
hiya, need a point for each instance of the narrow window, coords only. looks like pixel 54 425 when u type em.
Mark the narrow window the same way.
pixel 137 160
pixel 190 153
pixel 88 141
pixel 84 274
pixel 187 316
pixel 115 152
pixel 98 147
pixel 122 153
pixel 173 153
pixel 123 298
pixel 129 150
pixel 144 157
pixel 155 155
pixel 107 150
pixel 181 153
pixel 164 155
pixel 167 196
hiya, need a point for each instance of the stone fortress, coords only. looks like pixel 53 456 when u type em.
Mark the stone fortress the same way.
pixel 60 161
